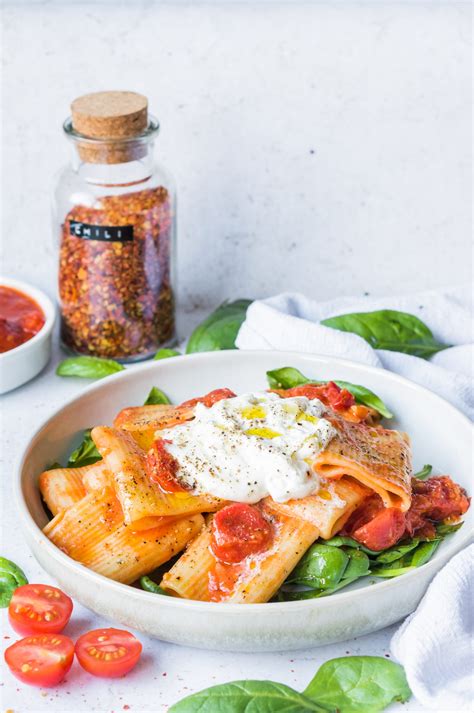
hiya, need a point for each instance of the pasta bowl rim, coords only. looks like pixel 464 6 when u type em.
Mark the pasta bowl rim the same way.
pixel 454 545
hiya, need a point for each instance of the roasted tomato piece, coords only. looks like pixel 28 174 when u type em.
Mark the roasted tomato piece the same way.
pixel 39 609
pixel 330 394
pixel 436 499
pixel 368 509
pixel 41 660
pixel 108 653
pixel 382 531
pixel 239 530
pixel 339 399
pixel 162 467
pixel 211 398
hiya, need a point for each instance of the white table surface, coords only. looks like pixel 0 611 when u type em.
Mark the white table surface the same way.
pixel 166 672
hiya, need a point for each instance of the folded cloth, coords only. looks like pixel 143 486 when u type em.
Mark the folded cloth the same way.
pixel 435 644
pixel 291 322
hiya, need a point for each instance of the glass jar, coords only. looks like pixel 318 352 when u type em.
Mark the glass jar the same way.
pixel 115 215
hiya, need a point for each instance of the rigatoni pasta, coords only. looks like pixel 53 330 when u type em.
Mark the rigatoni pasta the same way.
pixel 237 489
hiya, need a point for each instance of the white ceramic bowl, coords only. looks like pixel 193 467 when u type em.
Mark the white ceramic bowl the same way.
pixel 22 363
pixel 440 434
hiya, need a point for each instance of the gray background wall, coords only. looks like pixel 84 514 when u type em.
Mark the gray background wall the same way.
pixel 322 147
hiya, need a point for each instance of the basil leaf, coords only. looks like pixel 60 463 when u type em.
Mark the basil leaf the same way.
pixel 85 454
pixel 219 330
pixel 247 696
pixel 321 567
pixel 166 354
pixel 156 396
pixel 389 329
pixel 424 473
pixel 87 367
pixel 150 586
pixel 366 397
pixel 288 378
pixel 358 684
pixel 11 577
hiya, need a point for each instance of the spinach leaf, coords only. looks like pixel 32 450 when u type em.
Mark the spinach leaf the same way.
pixel 424 553
pixel 87 367
pixel 166 354
pixel 446 529
pixel 156 396
pixel 85 454
pixel 396 552
pixel 358 565
pixel 247 697
pixel 220 329
pixel 389 329
pixel 11 577
pixel 321 567
pixel 387 572
pixel 358 684
pixel 285 595
pixel 288 377
pixel 150 586
pixel 424 473
pixel 340 540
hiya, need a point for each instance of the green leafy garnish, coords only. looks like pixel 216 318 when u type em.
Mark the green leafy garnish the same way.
pixel 321 573
pixel 424 473
pixel 166 354
pixel 389 329
pixel 321 567
pixel 88 367
pixel 354 684
pixel 85 454
pixel 220 329
pixel 444 529
pixel 344 541
pixel 287 378
pixel 247 696
pixel 150 586
pixel 358 684
pixel 11 577
pixel 156 396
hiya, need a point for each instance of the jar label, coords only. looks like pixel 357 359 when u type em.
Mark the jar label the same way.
pixel 106 233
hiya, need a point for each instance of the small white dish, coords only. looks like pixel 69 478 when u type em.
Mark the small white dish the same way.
pixel 19 365
pixel 440 435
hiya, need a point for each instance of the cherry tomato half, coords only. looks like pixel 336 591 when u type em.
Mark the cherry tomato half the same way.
pixel 108 653
pixel 39 609
pixel 41 660
pixel 239 530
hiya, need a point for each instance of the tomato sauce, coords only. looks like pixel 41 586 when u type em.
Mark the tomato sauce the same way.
pixel 162 468
pixel 20 318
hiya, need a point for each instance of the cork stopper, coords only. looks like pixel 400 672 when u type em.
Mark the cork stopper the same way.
pixel 113 116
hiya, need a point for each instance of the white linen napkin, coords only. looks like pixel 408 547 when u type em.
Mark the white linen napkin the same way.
pixel 434 643
pixel 291 322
